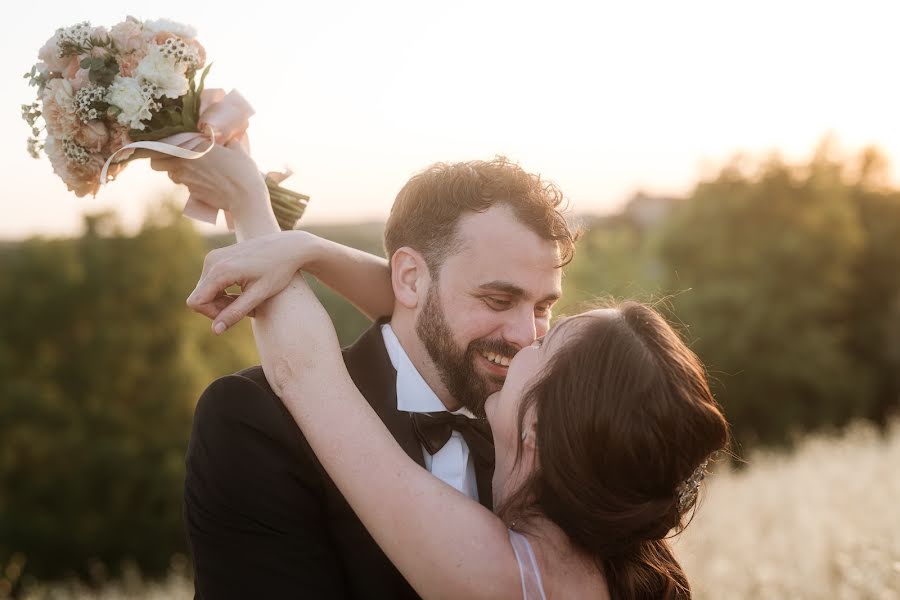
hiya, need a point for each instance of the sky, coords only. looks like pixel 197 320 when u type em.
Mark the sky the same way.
pixel 603 98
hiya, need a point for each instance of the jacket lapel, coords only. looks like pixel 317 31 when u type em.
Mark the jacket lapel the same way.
pixel 370 368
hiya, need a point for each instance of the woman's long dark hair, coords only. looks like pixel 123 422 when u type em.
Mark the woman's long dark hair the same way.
pixel 624 417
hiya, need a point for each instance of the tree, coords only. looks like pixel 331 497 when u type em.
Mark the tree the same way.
pixel 766 264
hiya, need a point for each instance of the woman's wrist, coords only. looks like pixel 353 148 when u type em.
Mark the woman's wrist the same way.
pixel 310 251
pixel 252 212
pixel 249 198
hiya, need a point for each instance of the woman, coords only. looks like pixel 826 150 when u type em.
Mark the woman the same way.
pixel 602 433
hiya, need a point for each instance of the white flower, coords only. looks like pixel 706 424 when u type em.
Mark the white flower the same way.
pixel 159 25
pixel 127 95
pixel 164 73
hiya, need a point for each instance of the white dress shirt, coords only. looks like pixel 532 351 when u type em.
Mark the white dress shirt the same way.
pixel 452 463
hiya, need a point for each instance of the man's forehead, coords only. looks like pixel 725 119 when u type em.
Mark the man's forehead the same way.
pixel 499 231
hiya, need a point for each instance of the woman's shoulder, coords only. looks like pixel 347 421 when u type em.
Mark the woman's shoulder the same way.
pixel 529 571
pixel 552 567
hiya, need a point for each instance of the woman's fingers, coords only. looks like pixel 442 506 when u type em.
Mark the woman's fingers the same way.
pixel 213 282
pixel 242 306
pixel 212 309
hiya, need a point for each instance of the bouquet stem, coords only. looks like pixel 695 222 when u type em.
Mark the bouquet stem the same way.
pixel 287 205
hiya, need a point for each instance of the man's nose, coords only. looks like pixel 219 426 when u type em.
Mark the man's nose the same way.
pixel 521 328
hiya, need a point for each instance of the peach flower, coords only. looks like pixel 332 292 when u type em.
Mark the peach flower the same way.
pixel 72 67
pixel 128 62
pixel 100 35
pixel 99 52
pixel 118 137
pixel 128 35
pixel 59 109
pixel 82 78
pixel 47 54
pixel 83 179
pixel 92 136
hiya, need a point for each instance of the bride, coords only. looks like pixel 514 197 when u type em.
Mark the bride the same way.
pixel 602 429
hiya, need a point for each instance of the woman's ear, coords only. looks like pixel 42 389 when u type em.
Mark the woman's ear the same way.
pixel 529 431
pixel 409 277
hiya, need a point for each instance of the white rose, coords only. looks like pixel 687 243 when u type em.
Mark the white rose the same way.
pixel 125 94
pixel 167 75
pixel 159 25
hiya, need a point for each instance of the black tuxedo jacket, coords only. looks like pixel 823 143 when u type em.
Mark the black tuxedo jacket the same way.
pixel 263 518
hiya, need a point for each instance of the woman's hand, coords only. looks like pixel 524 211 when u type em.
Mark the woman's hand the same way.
pixel 262 267
pixel 226 178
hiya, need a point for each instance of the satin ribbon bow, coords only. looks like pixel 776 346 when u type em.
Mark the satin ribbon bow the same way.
pixel 224 119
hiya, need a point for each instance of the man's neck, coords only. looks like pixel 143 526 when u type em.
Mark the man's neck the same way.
pixel 403 327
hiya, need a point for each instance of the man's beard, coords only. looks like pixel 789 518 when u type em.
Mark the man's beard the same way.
pixel 457 367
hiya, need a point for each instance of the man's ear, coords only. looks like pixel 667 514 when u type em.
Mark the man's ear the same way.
pixel 409 277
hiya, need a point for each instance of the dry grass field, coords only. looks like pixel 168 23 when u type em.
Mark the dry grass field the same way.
pixel 822 522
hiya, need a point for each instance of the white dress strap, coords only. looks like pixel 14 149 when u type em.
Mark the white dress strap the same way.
pixel 530 575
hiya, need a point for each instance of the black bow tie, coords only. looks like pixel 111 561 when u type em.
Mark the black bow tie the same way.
pixel 434 429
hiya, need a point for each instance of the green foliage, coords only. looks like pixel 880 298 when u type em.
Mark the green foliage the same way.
pixel 101 364
pixel 614 260
pixel 784 279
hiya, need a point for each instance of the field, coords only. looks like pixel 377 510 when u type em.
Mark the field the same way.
pixel 820 522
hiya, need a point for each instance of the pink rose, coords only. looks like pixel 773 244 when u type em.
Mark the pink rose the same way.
pixel 100 35
pixel 82 78
pixel 92 136
pixel 129 62
pixel 161 37
pixel 47 54
pixel 99 52
pixel 72 68
pixel 59 109
pixel 83 179
pixel 128 35
pixel 118 137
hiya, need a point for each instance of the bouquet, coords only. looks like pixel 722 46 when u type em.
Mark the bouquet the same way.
pixel 102 94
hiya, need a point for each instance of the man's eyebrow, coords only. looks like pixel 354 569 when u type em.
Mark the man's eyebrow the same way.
pixel 512 289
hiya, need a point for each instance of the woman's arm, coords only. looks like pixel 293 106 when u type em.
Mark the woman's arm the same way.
pixel 363 279
pixel 229 179
pixel 263 267
pixel 444 543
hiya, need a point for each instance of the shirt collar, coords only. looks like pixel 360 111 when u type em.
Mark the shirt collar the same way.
pixel 413 393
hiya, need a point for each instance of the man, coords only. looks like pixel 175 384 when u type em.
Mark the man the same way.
pixel 487 242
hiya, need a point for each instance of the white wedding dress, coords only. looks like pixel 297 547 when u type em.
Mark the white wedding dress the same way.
pixel 532 587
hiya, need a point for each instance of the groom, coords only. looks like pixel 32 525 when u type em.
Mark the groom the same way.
pixel 264 520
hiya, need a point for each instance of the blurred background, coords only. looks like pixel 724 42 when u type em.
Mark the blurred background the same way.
pixel 737 165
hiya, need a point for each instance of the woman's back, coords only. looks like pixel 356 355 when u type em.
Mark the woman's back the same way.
pixel 561 571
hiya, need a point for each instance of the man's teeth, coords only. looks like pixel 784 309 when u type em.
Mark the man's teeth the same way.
pixel 497 359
